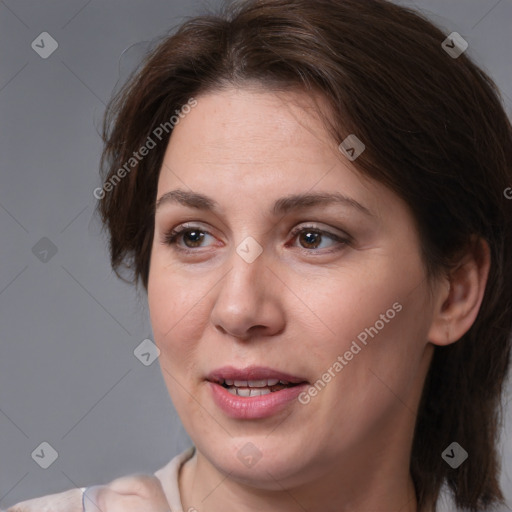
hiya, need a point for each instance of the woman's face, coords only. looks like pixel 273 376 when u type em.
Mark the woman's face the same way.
pixel 292 267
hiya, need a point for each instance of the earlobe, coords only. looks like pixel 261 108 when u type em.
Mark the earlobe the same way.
pixel 460 295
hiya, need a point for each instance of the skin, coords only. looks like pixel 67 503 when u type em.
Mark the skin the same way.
pixel 295 308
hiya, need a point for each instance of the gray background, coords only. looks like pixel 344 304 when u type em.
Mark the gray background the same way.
pixel 68 327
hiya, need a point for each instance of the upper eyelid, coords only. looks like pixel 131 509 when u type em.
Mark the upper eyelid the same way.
pixel 305 225
pixel 326 230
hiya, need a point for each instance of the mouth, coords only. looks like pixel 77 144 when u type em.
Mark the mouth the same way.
pixel 249 388
pixel 259 380
pixel 254 392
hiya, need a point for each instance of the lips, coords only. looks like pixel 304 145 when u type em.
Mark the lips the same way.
pixel 255 392
pixel 254 381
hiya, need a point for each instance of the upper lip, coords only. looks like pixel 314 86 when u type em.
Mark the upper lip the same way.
pixel 251 373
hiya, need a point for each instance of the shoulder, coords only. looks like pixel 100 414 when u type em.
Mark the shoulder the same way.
pixel 71 501
pixel 68 501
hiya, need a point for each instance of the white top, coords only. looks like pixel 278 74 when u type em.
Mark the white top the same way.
pixel 168 476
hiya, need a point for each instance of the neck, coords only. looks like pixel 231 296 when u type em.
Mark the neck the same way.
pixel 360 483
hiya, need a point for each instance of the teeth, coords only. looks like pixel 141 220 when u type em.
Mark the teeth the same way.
pixel 248 392
pixel 254 383
pixel 248 388
pixel 262 383
pixel 257 383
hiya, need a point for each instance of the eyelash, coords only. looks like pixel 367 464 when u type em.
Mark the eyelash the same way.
pixel 170 238
pixel 299 229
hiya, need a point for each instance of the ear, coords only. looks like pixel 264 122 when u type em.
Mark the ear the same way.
pixel 459 295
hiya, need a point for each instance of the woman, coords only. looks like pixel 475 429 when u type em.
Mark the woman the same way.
pixel 313 195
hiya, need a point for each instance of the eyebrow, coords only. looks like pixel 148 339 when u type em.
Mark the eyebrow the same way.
pixel 282 206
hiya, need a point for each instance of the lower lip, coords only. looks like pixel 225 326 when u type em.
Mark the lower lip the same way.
pixel 254 407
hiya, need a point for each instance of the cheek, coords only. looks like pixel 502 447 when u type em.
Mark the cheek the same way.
pixel 178 311
pixel 378 317
pixel 382 357
pixel 381 328
pixel 177 318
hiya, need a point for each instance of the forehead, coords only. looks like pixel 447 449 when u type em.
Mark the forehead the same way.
pixel 252 146
pixel 251 126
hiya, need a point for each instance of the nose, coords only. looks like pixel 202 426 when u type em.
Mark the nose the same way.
pixel 248 302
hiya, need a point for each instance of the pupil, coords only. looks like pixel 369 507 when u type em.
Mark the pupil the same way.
pixel 311 238
pixel 194 237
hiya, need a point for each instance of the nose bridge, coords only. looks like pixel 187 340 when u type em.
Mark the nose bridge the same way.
pixel 245 300
pixel 243 288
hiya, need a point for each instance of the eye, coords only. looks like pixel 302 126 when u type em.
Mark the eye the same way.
pixel 191 237
pixel 186 238
pixel 311 237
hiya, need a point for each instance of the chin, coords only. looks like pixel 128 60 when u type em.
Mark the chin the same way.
pixel 255 460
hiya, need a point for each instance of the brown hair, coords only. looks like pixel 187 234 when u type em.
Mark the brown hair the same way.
pixel 435 133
